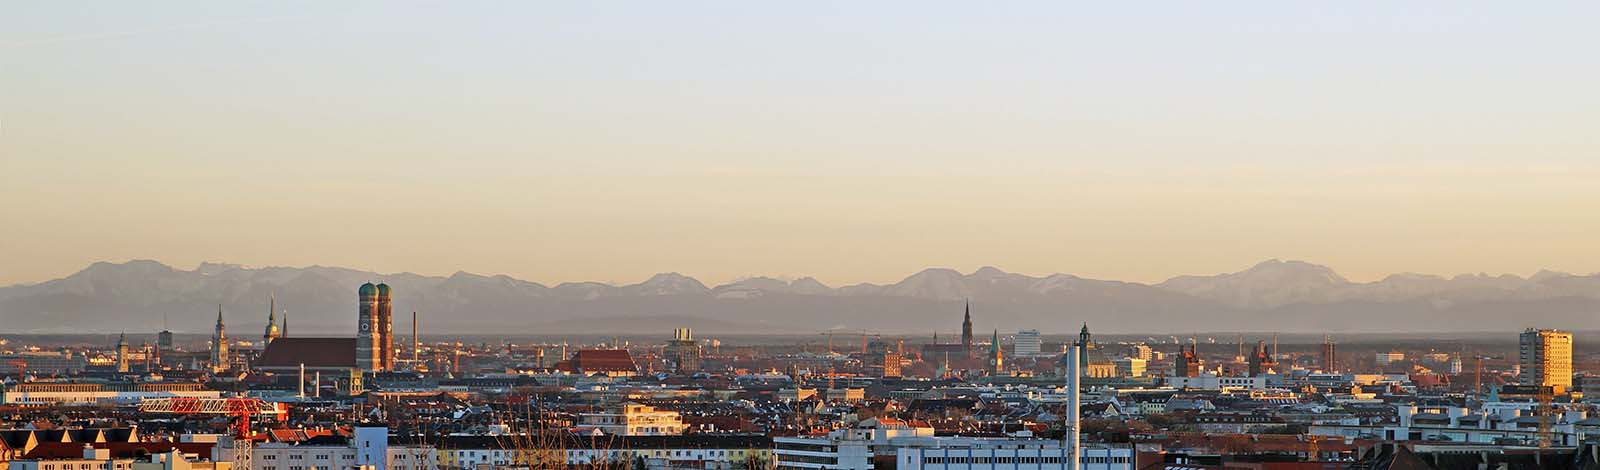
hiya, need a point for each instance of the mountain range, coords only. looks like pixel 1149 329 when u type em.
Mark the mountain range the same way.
pixel 1274 295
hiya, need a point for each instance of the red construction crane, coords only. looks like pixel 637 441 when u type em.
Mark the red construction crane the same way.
pixel 241 409
pixel 22 368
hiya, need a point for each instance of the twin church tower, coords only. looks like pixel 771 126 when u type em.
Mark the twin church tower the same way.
pixel 374 329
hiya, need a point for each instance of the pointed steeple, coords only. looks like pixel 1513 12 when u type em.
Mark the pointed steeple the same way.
pixel 996 355
pixel 966 329
pixel 284 332
pixel 219 315
pixel 122 339
pixel 271 332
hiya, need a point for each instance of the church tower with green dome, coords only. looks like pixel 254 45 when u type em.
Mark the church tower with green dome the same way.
pixel 368 334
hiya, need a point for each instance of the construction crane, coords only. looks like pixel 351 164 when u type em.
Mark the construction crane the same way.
pixel 830 333
pixel 22 368
pixel 1477 373
pixel 1546 409
pixel 240 409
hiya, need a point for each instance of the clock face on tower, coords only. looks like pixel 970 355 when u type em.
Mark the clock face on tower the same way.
pixel 366 327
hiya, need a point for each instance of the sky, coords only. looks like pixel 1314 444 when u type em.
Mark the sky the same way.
pixel 850 141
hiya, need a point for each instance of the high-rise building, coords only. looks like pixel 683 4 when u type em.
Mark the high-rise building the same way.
pixel 219 345
pixel 1187 362
pixel 1028 344
pixel 386 351
pixel 164 347
pixel 1141 351
pixel 368 334
pixel 683 351
pixel 880 360
pixel 1329 359
pixel 1545 357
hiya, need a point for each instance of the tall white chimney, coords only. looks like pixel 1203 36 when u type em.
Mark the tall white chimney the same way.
pixel 1074 407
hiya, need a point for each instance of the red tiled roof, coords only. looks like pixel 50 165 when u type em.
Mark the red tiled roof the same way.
pixel 297 435
pixel 313 352
pixel 603 360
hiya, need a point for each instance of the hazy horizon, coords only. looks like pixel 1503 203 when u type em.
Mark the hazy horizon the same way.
pixel 846 141
pixel 712 282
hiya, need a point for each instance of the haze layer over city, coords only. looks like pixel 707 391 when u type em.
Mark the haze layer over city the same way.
pixel 828 235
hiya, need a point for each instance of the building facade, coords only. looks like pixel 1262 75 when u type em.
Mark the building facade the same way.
pixel 634 419
pixel 1028 344
pixel 1545 357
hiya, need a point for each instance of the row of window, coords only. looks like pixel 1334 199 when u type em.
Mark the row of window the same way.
pixel 484 457
pixel 963 460
pixel 808 459
pixel 804 447
pixel 78 466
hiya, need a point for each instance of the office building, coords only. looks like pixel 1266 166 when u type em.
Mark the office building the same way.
pixel 1545 358
pixel 1386 358
pixel 1141 351
pixel 1130 367
pixel 1028 344
pixel 885 442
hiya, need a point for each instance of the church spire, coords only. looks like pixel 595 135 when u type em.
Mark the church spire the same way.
pixel 996 355
pixel 271 332
pixel 966 328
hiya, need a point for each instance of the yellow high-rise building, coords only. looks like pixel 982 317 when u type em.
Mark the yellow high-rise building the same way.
pixel 1545 357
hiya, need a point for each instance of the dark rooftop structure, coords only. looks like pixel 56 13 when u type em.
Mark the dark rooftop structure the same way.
pixel 315 353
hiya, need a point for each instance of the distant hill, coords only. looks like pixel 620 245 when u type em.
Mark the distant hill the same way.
pixel 1274 295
